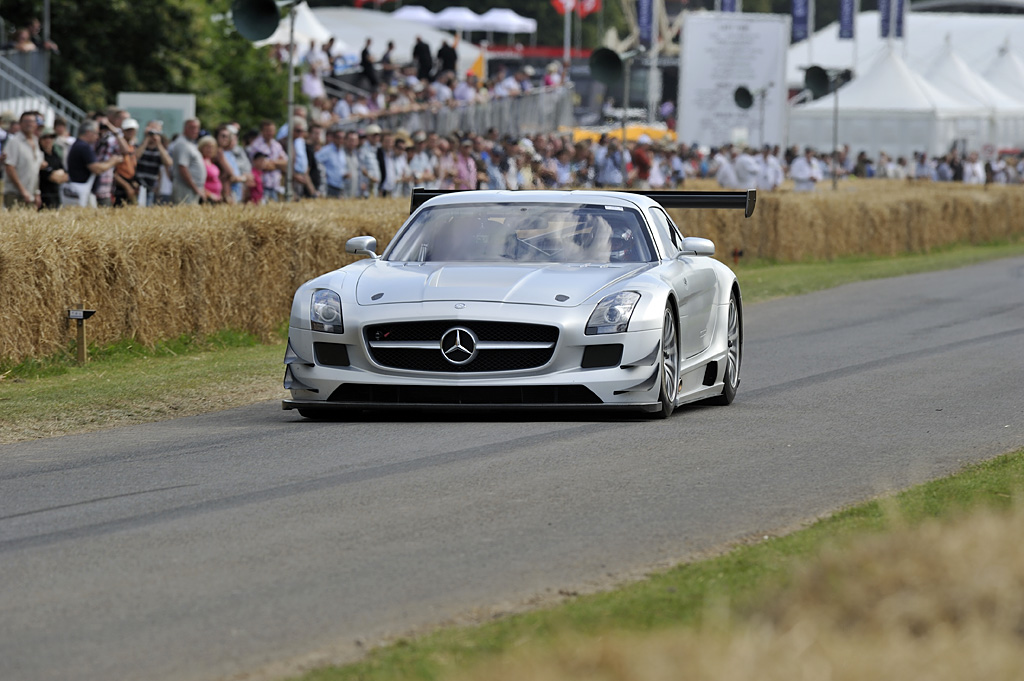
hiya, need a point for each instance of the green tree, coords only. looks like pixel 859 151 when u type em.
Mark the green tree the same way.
pixel 185 46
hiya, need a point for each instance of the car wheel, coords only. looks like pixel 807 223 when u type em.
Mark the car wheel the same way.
pixel 669 366
pixel 734 355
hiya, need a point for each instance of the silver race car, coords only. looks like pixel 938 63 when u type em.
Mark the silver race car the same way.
pixel 524 299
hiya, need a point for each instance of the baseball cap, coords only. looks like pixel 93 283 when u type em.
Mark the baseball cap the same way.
pixel 130 124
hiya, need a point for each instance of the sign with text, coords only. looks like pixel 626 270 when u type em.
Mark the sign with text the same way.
pixel 722 52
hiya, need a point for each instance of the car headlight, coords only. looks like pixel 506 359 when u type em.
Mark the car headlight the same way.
pixel 325 311
pixel 612 314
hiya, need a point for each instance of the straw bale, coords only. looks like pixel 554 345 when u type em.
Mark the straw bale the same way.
pixel 158 273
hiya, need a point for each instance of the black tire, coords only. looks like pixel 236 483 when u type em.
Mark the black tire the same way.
pixel 734 356
pixel 668 366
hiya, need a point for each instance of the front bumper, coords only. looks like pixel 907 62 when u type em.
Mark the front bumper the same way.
pixel 562 382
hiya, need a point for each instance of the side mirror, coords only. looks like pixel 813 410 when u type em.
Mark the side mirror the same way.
pixel 698 246
pixel 362 245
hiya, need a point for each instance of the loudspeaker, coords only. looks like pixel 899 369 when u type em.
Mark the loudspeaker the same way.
pixel 255 19
pixel 743 97
pixel 817 81
pixel 606 66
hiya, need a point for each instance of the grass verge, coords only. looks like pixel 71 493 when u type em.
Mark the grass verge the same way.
pixel 747 584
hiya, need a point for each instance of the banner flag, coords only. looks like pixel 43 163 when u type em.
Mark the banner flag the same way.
pixel 587 7
pixel 846 19
pixel 800 20
pixel 645 20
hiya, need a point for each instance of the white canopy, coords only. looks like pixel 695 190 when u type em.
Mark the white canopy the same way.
pixel 1006 72
pixel 503 20
pixel 414 13
pixel 458 19
pixel 354 26
pixel 890 108
pixel 307 29
pixel 950 74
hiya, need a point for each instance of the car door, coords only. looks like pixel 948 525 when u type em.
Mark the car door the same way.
pixel 696 287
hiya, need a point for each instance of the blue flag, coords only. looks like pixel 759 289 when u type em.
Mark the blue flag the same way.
pixel 645 20
pixel 846 19
pixel 884 10
pixel 799 20
pixel 728 5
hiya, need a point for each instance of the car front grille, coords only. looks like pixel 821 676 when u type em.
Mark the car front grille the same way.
pixel 502 346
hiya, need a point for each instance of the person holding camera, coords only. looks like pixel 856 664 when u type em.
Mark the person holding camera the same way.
pixel 151 155
pixel 112 143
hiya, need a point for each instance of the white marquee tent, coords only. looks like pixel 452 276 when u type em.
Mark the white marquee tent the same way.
pixel 950 74
pixel 977 37
pixel 890 108
pixel 307 29
pixel 1006 72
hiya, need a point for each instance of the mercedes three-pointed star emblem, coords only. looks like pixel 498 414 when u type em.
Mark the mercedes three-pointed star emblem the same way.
pixel 459 345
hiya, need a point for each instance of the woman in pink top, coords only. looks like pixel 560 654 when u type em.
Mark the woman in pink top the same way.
pixel 213 190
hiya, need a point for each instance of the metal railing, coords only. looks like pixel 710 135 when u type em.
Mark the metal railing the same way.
pixel 533 112
pixel 20 91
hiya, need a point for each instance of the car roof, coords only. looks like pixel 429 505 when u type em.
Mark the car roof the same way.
pixel 611 198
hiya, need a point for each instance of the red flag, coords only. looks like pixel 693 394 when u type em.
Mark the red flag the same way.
pixel 562 5
pixel 586 7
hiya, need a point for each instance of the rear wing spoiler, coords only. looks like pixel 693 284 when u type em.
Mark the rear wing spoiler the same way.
pixel 744 200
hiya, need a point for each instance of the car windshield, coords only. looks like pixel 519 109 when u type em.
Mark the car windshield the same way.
pixel 524 232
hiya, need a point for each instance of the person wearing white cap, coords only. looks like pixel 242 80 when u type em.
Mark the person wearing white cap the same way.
pixel 126 187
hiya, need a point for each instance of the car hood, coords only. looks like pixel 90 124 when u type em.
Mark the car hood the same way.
pixel 564 285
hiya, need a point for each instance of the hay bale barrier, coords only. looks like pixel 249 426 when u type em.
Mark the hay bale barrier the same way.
pixel 157 273
pixel 154 274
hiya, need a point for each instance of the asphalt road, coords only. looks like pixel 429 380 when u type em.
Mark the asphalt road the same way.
pixel 205 547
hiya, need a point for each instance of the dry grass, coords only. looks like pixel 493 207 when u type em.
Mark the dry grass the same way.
pixel 940 602
pixel 158 273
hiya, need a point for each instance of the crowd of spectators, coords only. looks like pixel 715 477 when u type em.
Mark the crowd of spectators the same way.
pixel 388 85
pixel 737 168
pixel 28 39
pixel 114 161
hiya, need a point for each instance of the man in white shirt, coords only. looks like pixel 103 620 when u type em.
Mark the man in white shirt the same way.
pixel 770 173
pixel 805 171
pixel 974 169
pixel 21 167
pixel 723 169
pixel 747 169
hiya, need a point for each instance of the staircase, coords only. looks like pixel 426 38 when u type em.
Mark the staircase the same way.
pixel 23 78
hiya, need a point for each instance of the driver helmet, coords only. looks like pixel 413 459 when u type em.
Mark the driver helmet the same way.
pixel 622 245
